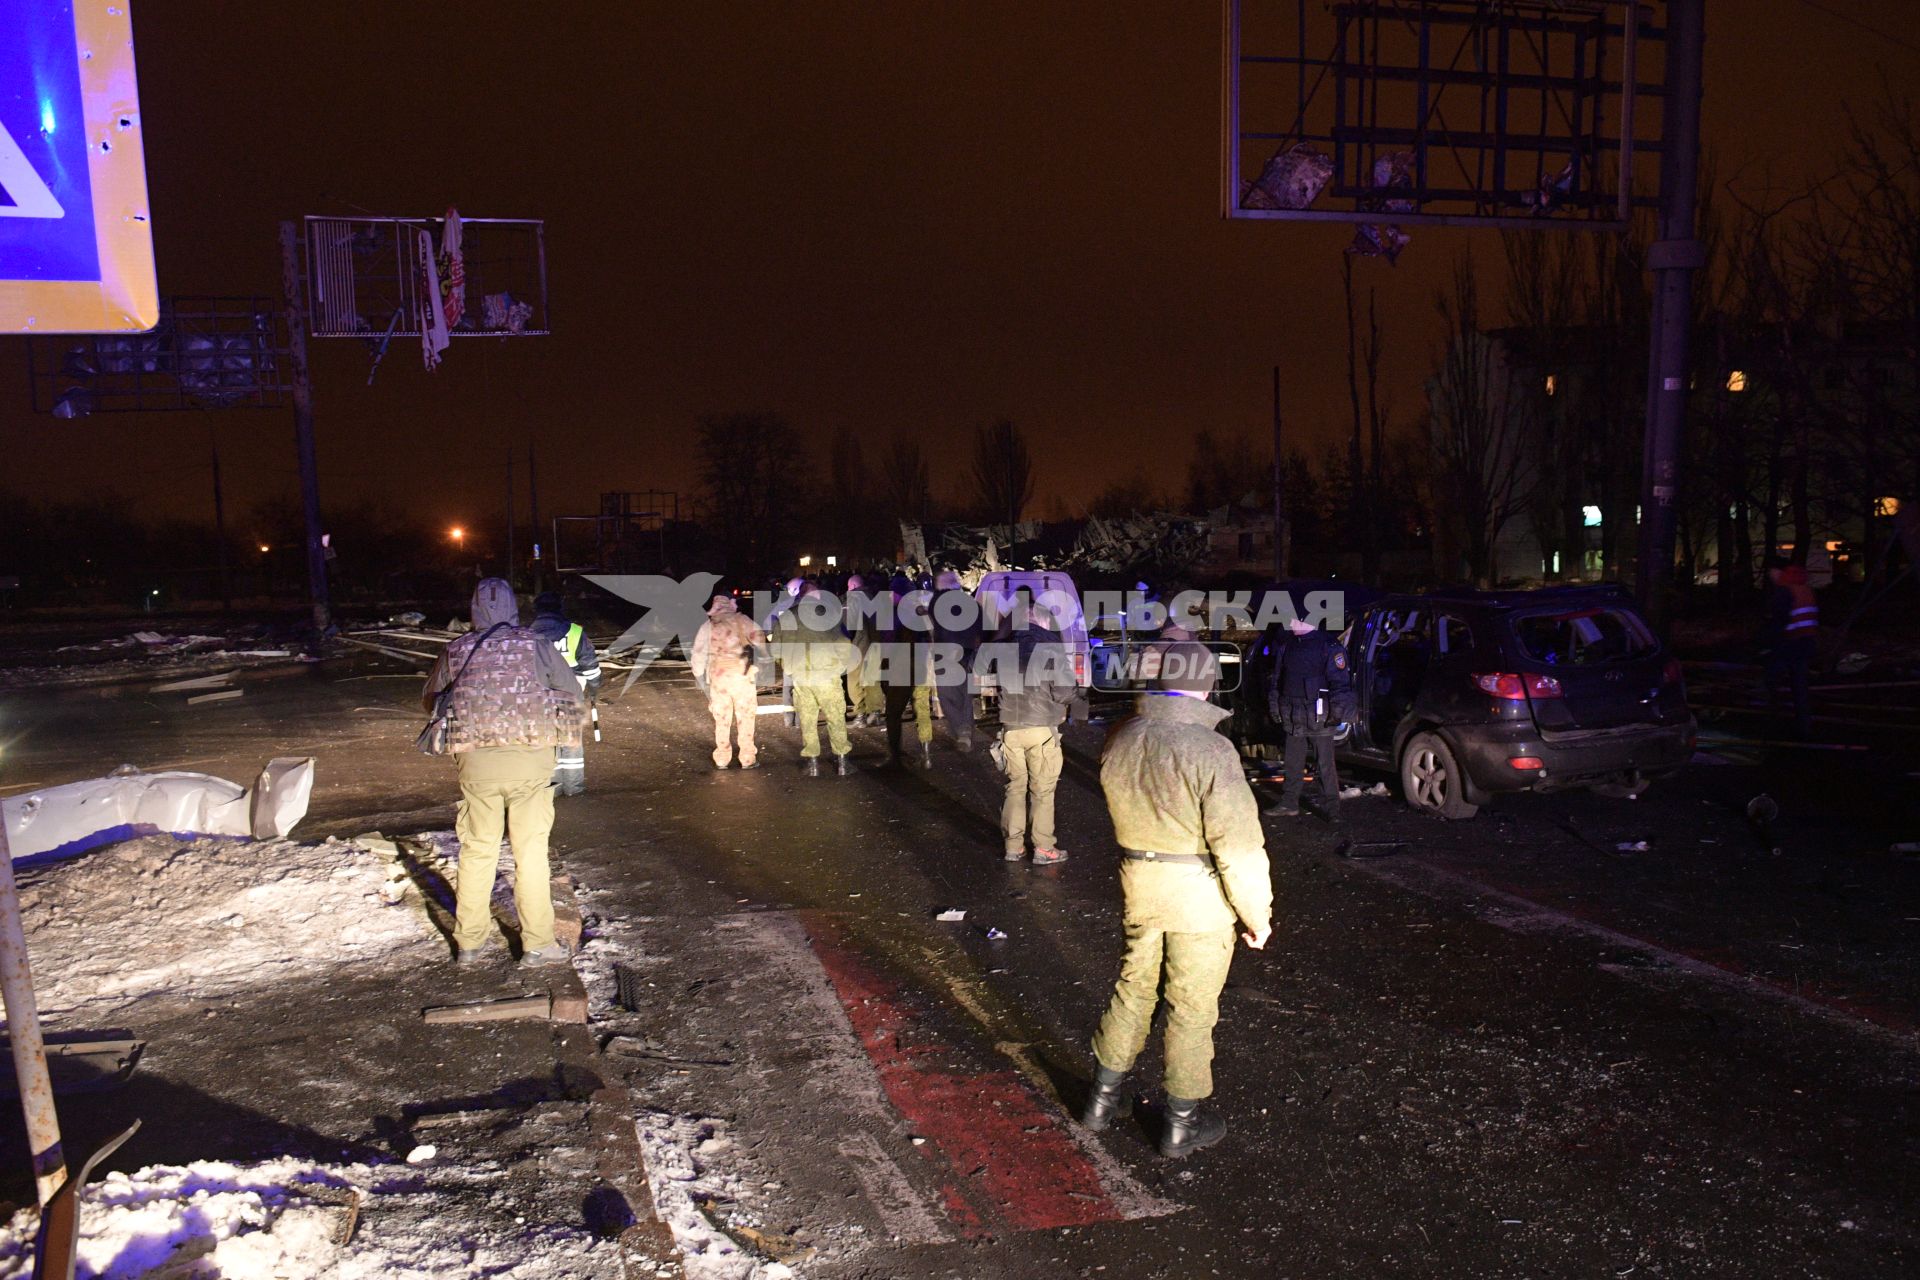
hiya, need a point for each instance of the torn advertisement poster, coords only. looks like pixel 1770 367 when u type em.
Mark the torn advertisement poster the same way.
pixel 427 303
pixel 1293 179
pixel 60 821
pixel 453 271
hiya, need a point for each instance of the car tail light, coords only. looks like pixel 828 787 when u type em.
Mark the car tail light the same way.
pixel 1509 687
pixel 1504 685
pixel 1526 762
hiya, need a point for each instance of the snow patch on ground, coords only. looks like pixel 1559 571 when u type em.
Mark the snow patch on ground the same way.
pixel 289 1218
pixel 700 1200
pixel 203 919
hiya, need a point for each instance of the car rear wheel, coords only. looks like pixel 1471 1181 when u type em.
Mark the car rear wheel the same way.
pixel 1432 779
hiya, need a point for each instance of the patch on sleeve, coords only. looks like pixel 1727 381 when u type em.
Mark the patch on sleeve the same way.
pixel 1340 659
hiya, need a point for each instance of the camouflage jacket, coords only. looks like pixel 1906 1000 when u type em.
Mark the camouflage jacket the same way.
pixel 812 655
pixel 721 648
pixel 1175 785
pixel 511 688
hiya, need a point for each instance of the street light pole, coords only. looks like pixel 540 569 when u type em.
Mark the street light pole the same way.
pixel 1674 257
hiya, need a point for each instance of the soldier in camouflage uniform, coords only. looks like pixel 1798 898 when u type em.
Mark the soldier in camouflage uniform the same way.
pixel 722 661
pixel 514 700
pixel 864 696
pixel 814 653
pixel 1194 865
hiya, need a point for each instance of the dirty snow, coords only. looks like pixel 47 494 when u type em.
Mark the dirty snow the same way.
pixel 289 1218
pixel 699 1189
pixel 204 919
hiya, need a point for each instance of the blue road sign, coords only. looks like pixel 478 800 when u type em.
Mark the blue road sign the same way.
pixel 76 245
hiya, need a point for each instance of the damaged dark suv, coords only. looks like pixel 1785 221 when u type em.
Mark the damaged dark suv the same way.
pixel 1466 694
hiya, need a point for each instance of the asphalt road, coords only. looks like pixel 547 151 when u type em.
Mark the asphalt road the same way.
pixel 1500 1047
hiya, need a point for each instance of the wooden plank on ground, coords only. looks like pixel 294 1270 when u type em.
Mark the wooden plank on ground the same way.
pixel 490 1010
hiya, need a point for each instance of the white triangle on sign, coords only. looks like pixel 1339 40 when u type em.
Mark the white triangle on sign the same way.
pixel 31 196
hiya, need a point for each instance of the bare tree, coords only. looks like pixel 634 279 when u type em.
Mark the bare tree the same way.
pixel 1002 472
pixel 1225 471
pixel 1133 496
pixel 905 483
pixel 749 467
pixel 853 519
pixel 1476 428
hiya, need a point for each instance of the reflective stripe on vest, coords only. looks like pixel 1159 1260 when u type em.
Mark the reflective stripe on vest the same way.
pixel 570 646
pixel 1805 618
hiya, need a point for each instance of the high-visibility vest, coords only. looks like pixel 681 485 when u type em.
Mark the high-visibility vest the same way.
pixel 570 646
pixel 1805 614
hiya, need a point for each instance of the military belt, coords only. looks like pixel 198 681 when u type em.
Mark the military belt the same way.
pixel 1184 859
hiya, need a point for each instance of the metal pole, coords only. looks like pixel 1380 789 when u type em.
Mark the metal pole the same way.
pixel 512 557
pixel 23 1030
pixel 1282 536
pixel 220 524
pixel 302 384
pixel 1674 257
pixel 533 497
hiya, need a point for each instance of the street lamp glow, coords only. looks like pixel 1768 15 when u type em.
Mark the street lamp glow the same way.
pixel 264 548
pixel 457 533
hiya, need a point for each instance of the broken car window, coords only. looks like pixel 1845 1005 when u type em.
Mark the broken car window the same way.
pixel 1586 638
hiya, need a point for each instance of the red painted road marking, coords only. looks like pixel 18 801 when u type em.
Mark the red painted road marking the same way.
pixel 1008 1158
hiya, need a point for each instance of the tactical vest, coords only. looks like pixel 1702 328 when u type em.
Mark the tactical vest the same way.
pixel 499 699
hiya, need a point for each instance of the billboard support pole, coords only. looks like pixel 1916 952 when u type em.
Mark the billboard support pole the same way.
pixel 1674 257
pixel 301 381
pixel 1282 535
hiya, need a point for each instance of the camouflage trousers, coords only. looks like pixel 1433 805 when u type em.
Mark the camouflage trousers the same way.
pixel 812 701
pixel 1193 968
pixel 734 705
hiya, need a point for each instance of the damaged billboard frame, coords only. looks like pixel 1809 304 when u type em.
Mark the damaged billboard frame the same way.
pixel 365 277
pixel 1516 114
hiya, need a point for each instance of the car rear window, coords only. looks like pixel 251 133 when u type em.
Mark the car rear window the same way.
pixel 1584 637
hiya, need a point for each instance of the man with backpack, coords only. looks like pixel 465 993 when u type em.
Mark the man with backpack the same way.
pixel 512 700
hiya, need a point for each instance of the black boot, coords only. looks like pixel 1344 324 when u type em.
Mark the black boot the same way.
pixel 1188 1130
pixel 1103 1104
pixel 812 766
pixel 842 765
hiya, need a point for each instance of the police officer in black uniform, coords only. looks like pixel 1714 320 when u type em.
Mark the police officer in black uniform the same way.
pixel 1310 694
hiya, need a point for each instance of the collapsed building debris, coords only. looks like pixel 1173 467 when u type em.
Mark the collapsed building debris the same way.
pixel 1151 545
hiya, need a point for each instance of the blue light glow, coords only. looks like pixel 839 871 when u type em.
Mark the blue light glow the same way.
pixel 47 121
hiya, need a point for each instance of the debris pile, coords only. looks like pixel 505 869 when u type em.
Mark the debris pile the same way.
pixel 142 655
pixel 205 919
pixel 291 1217
pixel 1158 544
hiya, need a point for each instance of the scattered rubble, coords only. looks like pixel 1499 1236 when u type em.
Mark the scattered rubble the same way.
pixel 289 1217
pixel 195 921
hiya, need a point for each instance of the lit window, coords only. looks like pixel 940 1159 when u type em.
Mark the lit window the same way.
pixel 1833 546
pixel 1886 506
pixel 1590 517
pixel 1737 380
pixel 1551 384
